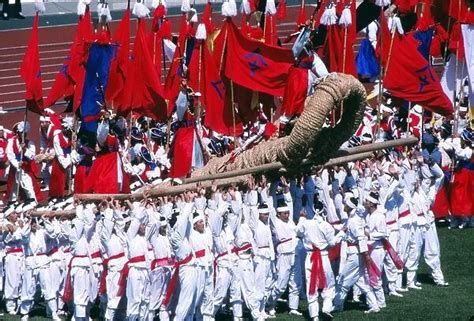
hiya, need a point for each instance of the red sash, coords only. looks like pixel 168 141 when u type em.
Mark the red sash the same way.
pixel 53 250
pixel 14 250
pixel 393 254
pixel 200 253
pixel 404 213
pixel 124 273
pixel 103 276
pixel 163 261
pixel 283 241
pixel 68 291
pixel 174 279
pixel 317 278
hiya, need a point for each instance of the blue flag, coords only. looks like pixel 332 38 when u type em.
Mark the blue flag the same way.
pixel 95 84
pixel 424 42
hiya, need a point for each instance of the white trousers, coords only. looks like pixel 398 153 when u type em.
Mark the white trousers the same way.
pixel 138 293
pixel 80 278
pixel 353 272
pixel 263 279
pixel 244 286
pixel 391 271
pixel 327 294
pixel 187 293
pixel 378 256
pixel 25 183
pixel 31 279
pixel 288 275
pixel 428 245
pixel 204 293
pixel 13 273
pixel 407 245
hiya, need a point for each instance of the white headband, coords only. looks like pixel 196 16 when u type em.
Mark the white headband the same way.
pixel 372 200
pixel 283 209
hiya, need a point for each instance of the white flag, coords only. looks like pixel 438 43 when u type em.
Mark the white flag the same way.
pixel 468 37
pixel 449 81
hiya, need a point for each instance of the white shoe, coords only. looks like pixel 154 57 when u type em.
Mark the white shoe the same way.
pixel 402 290
pixel 295 312
pixel 442 284
pixel 56 318
pixel 271 313
pixel 374 310
pixel 328 315
pixel 395 293
pixel 356 299
pixel 315 319
pixel 414 286
pixel 24 318
pixel 268 316
pixel 383 306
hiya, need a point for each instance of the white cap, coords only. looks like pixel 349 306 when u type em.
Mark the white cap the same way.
pixel 385 108
pixel 23 127
pixel 68 122
pixel 417 109
pixel 348 200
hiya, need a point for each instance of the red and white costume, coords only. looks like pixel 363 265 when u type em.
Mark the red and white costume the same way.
pixel 62 163
pixel 28 173
pixel 301 77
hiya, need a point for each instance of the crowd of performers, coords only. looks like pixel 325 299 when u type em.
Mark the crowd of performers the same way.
pixel 362 226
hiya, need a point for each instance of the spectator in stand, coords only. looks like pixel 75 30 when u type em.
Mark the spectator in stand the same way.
pixel 17 10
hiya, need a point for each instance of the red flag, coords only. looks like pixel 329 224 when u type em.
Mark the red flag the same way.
pixel 120 64
pixel 341 56
pixel 204 77
pixel 255 65
pixel 281 10
pixel 457 8
pixel 143 91
pixel 406 6
pixel 301 16
pixel 410 76
pixel 270 31
pixel 384 39
pixel 30 71
pixel 207 19
pixel 64 83
pixel 79 55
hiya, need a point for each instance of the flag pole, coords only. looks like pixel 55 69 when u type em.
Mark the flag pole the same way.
pixel 73 145
pixel 198 108
pixel 381 73
pixel 408 123
pixel 223 51
pixel 456 104
pixel 22 145
pixel 233 110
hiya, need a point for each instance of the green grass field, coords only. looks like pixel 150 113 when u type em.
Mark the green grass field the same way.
pixel 455 302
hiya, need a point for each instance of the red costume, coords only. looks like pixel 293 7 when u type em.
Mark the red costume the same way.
pixel 107 175
pixel 461 191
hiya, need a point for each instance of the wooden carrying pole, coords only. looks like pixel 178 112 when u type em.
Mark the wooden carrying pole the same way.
pixel 236 177
pixel 340 157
